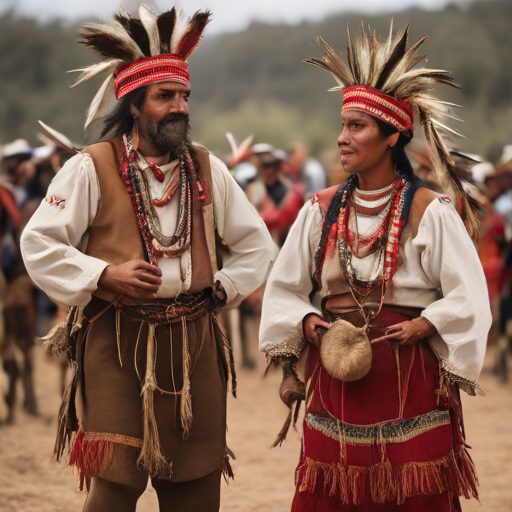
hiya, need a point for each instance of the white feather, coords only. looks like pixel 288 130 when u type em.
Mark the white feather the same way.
pixel 180 29
pixel 149 19
pixel 232 142
pixel 59 138
pixel 99 100
pixel 95 69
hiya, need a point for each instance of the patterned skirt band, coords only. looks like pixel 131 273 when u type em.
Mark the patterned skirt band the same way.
pixel 168 311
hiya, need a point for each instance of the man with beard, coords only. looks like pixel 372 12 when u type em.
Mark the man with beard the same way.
pixel 127 235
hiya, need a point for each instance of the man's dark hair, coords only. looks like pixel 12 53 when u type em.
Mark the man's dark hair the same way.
pixel 120 121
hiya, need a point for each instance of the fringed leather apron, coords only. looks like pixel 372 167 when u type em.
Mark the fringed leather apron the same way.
pixel 151 377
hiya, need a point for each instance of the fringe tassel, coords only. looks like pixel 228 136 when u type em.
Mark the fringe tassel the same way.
pixel 229 349
pixel 89 457
pixel 64 427
pixel 226 470
pixel 186 399
pixel 151 458
pixel 118 336
pixel 58 339
pixel 296 399
pixel 383 482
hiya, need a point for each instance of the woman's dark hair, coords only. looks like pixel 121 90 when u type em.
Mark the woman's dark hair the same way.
pixel 403 166
pixel 120 121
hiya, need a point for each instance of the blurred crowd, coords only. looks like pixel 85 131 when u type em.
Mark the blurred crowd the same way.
pixel 277 182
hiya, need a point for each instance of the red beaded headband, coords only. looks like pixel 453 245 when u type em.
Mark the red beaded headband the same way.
pixel 374 102
pixel 160 68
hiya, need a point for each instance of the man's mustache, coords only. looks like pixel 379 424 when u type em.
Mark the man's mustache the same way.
pixel 174 117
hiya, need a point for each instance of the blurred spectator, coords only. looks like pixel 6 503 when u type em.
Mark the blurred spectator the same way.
pixel 306 169
pixel 277 199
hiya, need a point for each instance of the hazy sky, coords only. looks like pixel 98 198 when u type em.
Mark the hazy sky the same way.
pixel 228 15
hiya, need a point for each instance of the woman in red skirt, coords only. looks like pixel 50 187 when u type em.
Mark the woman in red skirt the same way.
pixel 379 295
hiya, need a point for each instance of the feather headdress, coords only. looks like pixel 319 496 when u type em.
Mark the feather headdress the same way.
pixel 139 51
pixel 381 79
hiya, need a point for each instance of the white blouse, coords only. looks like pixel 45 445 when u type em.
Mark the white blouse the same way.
pixel 55 239
pixel 441 274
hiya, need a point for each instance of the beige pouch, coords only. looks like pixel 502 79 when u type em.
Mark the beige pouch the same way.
pixel 345 351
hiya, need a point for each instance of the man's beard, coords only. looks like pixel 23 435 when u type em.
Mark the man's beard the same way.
pixel 171 133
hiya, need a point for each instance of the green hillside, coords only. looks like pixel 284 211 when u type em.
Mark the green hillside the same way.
pixel 254 81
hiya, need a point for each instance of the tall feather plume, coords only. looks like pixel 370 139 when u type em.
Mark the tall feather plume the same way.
pixel 408 62
pixel 180 29
pixel 192 36
pixel 353 60
pixel 149 20
pixel 365 57
pixel 391 68
pixel 135 29
pixel 396 56
pixel 332 63
pixel 129 40
pixel 110 41
pixel 165 24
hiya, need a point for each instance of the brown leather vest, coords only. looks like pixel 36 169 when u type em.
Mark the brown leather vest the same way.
pixel 114 235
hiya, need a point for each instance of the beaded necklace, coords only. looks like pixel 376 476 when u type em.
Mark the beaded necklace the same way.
pixel 387 239
pixel 157 244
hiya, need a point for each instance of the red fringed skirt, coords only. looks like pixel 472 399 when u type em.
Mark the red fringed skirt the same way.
pixel 390 441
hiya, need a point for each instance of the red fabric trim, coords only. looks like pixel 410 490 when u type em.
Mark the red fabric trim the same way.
pixel 93 451
pixel 160 68
pixel 391 110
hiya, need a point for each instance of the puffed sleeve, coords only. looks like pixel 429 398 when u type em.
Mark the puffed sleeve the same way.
pixel 462 316
pixel 250 250
pixel 287 294
pixel 53 239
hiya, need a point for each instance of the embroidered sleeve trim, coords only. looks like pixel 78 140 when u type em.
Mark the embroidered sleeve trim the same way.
pixel 291 346
pixel 454 376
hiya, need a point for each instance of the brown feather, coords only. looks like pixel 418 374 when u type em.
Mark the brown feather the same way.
pixel 135 30
pixel 352 57
pixel 165 24
pixel 395 57
pixel 105 43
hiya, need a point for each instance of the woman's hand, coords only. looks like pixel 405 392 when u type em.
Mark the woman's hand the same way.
pixel 409 332
pixel 290 389
pixel 310 325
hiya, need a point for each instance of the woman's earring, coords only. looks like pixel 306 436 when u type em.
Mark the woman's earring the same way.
pixel 135 134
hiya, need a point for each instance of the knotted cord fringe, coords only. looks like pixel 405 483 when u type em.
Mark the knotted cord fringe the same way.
pixel 151 458
pixel 186 399
pixel 229 349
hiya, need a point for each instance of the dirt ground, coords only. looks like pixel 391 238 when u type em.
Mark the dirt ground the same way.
pixel 29 482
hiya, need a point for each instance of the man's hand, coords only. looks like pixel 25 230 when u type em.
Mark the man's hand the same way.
pixel 409 332
pixel 311 322
pixel 136 278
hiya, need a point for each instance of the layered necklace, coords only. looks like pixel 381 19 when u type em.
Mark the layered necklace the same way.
pixel 156 243
pixel 388 206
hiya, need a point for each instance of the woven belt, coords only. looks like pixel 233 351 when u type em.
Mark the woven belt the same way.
pixel 170 311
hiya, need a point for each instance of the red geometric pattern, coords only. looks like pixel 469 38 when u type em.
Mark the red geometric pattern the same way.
pixel 160 68
pixel 391 110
